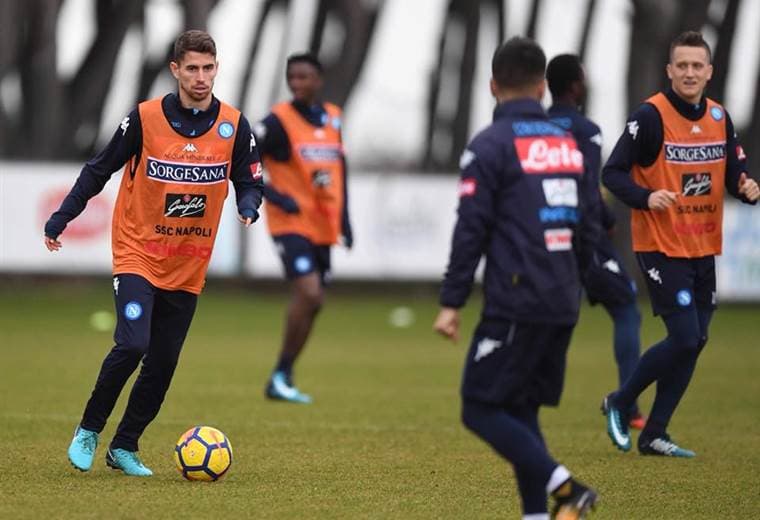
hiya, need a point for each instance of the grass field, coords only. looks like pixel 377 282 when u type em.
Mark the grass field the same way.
pixel 382 439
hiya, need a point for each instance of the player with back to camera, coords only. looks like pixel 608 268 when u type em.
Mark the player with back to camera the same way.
pixel 178 153
pixel 528 205
pixel 306 206
pixel 605 281
pixel 676 157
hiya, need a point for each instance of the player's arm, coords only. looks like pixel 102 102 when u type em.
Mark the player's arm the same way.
pixel 125 145
pixel 738 182
pixel 246 176
pixel 639 144
pixel 273 144
pixel 590 225
pixel 346 229
pixel 476 214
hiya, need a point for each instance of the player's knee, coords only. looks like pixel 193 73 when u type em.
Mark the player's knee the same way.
pixel 134 348
pixel 313 299
pixel 687 342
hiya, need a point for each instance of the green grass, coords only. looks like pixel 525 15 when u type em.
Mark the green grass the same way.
pixel 383 439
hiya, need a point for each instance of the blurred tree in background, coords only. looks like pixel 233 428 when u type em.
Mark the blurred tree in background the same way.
pixel 46 116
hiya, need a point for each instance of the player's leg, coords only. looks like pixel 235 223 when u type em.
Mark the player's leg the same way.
pixel 519 445
pixel 172 315
pixel 133 297
pixel 665 278
pixel 688 330
pixel 511 369
pixel 303 269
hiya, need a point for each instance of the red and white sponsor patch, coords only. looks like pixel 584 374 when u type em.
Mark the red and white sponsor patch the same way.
pixel 549 154
pixel 558 239
pixel 256 171
pixel 467 187
pixel 740 153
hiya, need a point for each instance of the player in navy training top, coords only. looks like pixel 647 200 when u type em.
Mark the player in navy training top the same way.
pixel 526 204
pixel 606 281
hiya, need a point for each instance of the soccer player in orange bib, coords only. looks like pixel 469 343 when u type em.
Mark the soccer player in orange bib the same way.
pixel 306 209
pixel 676 157
pixel 179 153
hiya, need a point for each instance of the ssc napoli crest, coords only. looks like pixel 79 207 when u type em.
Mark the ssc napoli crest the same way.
pixel 226 130
pixel 302 264
pixel 684 298
pixel 133 311
pixel 716 113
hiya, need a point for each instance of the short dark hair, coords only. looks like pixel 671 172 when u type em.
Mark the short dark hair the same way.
pixel 563 70
pixel 304 57
pixel 690 39
pixel 195 41
pixel 518 62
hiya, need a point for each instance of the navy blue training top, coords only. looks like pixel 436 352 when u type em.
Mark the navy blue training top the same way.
pixel 527 204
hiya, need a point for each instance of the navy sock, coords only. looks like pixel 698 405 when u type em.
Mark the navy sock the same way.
pixel 516 437
pixel 285 364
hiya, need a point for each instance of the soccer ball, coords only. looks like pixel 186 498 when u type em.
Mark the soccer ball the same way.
pixel 203 453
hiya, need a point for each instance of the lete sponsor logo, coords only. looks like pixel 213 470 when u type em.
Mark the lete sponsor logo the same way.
pixel 558 239
pixel 94 221
pixel 549 155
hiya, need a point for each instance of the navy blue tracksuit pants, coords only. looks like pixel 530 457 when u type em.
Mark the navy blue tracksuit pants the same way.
pixel 151 327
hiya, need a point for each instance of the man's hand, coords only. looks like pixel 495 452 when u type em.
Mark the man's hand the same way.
pixel 447 323
pixel 52 244
pixel 661 200
pixel 248 216
pixel 748 187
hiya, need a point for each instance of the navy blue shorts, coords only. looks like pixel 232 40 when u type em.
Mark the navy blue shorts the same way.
pixel 516 364
pixel 606 281
pixel 300 257
pixel 142 311
pixel 677 283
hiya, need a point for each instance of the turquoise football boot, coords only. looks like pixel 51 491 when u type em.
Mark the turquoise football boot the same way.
pixel 82 448
pixel 281 388
pixel 128 462
pixel 617 425
pixel 663 446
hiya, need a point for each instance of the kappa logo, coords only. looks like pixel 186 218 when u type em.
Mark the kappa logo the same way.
pixel 486 347
pixel 190 147
pixel 252 143
pixel 116 283
pixel 466 159
pixel 695 129
pixel 612 266
pixel 633 129
pixel 124 125
pixel 654 274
